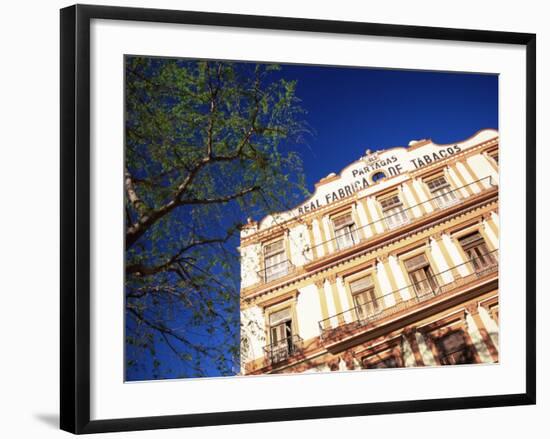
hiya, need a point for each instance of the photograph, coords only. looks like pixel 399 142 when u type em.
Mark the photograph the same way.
pixel 296 218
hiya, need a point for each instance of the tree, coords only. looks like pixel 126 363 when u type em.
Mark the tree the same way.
pixel 208 144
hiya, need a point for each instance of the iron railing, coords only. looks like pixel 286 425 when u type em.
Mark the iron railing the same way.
pixel 439 283
pixel 283 349
pixel 436 204
pixel 276 271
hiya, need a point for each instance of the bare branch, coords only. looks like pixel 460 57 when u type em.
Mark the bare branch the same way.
pixel 143 270
pixel 135 201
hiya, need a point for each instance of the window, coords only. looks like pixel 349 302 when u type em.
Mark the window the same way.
pixel 364 297
pixel 280 331
pixel 345 231
pixel 476 249
pixel 275 261
pixel 421 275
pixel 377 176
pixel 442 192
pixel 388 362
pixel 453 349
pixel 392 209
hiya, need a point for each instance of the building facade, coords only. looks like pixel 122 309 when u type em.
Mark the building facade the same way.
pixel 393 262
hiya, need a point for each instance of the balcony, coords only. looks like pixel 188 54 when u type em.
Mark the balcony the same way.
pixel 276 271
pixel 440 202
pixel 283 349
pixel 355 318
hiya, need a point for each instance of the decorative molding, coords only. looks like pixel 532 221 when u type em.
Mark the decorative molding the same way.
pixel 320 283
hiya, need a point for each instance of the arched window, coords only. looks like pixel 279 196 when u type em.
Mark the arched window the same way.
pixel 378 176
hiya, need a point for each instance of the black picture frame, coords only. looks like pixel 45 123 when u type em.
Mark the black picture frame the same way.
pixel 75 217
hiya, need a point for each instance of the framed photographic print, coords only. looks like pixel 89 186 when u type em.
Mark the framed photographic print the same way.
pixel 304 218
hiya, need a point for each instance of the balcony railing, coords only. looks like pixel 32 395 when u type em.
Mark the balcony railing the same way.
pixel 439 202
pixel 276 271
pixel 283 349
pixel 438 284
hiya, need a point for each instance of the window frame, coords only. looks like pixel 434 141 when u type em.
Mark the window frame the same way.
pixel 402 212
pixel 479 242
pixel 437 198
pixel 429 277
pixel 271 309
pixel 353 229
pixel 370 293
pixel 466 348
pixel 286 259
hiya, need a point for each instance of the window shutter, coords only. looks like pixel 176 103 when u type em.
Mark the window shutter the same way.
pixel 416 262
pixel 470 241
pixel 361 284
pixel 344 220
pixel 273 247
pixel 437 183
pixel 390 202
pixel 452 342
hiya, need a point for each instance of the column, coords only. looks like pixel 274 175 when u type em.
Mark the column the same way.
pixel 312 245
pixel 346 299
pixel 329 238
pixel 318 221
pixel 438 242
pixel 397 268
pixel 287 248
pixel 358 224
pixel 387 282
pixel 319 283
pixel 490 324
pixel 378 222
pixel 424 197
pixel 469 178
pixel 460 182
pixel 453 182
pixel 409 335
pixel 427 349
pixel 456 254
pixel 488 233
pixel 336 299
pixel 442 276
pixel 363 210
pixel 418 208
pixel 484 345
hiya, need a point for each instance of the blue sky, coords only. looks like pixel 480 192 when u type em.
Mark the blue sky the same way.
pixel 352 109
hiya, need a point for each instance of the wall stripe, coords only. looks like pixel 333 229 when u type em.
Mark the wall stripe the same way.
pixel 413 343
pixel 492 225
pixel 393 282
pixel 323 302
pixel 485 336
pixel 490 325
pixel 467 187
pixel 477 340
pixel 473 175
pixel 355 216
pixel 336 299
pixel 323 235
pixel 428 357
pixel 424 197
pixel 416 199
pixel 328 228
pixel 312 243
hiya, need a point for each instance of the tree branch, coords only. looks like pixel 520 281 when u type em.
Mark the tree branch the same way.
pixel 143 270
